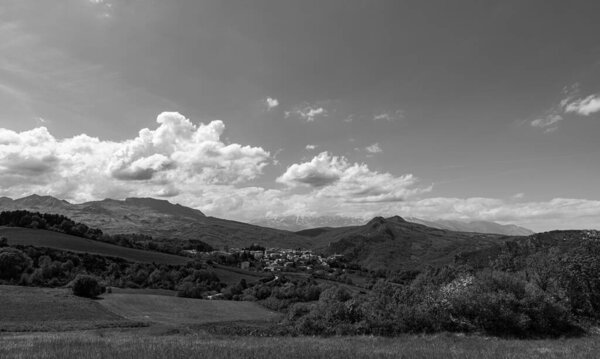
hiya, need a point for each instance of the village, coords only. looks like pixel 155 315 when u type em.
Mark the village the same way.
pixel 256 258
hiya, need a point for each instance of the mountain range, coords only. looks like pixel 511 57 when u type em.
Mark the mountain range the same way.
pixel 382 243
pixel 299 223
pixel 158 218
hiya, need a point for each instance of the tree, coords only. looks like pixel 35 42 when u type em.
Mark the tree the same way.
pixel 13 263
pixel 87 286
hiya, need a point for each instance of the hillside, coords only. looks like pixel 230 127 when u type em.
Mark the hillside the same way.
pixel 159 218
pixel 561 242
pixel 395 244
pixel 56 240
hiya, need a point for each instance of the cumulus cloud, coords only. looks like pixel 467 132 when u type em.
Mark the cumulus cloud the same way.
pixel 307 112
pixel 585 106
pixel 374 148
pixel 177 154
pixel 335 177
pixel 311 147
pixel 271 103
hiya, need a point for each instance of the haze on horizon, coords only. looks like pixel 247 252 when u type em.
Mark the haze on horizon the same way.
pixel 245 110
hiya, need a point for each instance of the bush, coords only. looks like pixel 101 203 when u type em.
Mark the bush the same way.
pixel 87 286
pixel 13 263
pixel 503 305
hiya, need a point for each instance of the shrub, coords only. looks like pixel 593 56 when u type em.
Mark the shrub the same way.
pixel 13 263
pixel 87 286
pixel 503 305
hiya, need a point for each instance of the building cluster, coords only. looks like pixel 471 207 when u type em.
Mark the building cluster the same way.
pixel 275 259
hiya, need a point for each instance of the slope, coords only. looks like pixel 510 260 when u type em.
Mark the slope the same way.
pixel 396 244
pixel 50 239
pixel 161 219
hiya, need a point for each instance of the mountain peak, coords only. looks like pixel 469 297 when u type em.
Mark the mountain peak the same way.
pixel 376 221
pixel 397 219
pixel 164 206
pixel 37 200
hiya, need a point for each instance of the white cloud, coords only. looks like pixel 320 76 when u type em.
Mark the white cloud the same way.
pixel 307 112
pixel 271 103
pixel 548 123
pixel 374 148
pixel 334 177
pixel 311 147
pixel 585 106
pixel 569 104
pixel 389 116
pixel 518 196
pixel 175 156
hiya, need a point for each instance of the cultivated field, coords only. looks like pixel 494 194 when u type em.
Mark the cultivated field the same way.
pixel 50 239
pixel 182 311
pixel 128 344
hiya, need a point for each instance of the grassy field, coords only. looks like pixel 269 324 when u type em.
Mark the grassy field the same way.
pixel 182 311
pixel 42 238
pixel 35 309
pixel 128 344
pixel 110 328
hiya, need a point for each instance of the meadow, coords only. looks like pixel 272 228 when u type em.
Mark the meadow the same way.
pixel 130 344
pixel 175 311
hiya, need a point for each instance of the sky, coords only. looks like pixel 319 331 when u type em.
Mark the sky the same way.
pixel 465 110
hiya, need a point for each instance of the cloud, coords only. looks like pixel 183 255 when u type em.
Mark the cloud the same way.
pixel 374 148
pixel 389 116
pixel 175 156
pixel 334 177
pixel 548 123
pixel 307 112
pixel 311 147
pixel 585 106
pixel 569 104
pixel 271 103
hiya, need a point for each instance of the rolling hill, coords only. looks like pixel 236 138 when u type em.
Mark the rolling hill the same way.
pixel 159 218
pixel 393 243
pixel 56 240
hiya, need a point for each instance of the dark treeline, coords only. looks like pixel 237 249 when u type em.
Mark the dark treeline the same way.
pixel 45 267
pixel 62 224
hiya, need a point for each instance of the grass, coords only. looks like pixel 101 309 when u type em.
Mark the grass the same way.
pixel 128 344
pixel 50 309
pixel 182 311
pixel 56 240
